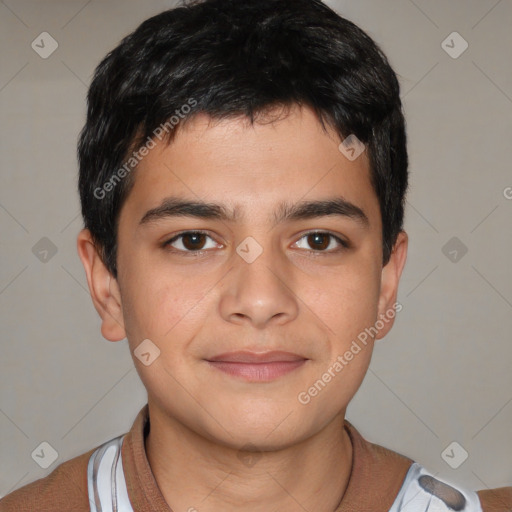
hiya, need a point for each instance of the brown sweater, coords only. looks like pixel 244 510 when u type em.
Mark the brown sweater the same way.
pixel 376 479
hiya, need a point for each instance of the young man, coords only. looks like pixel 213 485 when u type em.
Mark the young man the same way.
pixel 243 169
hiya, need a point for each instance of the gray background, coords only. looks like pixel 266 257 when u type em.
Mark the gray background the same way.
pixel 443 374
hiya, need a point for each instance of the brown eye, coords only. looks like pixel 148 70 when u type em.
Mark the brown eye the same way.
pixel 320 241
pixel 194 241
pixel 190 242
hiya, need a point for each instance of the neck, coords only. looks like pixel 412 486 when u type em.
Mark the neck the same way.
pixel 197 474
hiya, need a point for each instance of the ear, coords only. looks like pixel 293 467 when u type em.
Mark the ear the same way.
pixel 390 278
pixel 103 287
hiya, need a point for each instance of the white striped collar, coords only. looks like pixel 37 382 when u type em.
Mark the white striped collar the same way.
pixel 105 479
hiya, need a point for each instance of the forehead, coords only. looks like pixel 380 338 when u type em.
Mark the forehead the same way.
pixel 252 168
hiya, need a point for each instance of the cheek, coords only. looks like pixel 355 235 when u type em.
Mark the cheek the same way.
pixel 346 300
pixel 158 306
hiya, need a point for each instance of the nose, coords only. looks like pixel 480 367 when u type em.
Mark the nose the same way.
pixel 260 292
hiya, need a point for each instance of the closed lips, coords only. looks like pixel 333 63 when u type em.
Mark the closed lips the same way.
pixel 257 358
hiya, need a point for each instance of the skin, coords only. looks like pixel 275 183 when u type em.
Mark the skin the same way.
pixel 300 295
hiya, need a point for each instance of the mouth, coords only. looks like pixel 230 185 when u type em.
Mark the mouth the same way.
pixel 257 367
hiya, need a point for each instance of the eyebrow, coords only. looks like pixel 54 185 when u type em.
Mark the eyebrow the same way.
pixel 178 207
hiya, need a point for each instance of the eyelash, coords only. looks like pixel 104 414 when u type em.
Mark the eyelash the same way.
pixel 344 244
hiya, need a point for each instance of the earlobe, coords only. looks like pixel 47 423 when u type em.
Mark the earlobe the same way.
pixel 103 287
pixel 390 279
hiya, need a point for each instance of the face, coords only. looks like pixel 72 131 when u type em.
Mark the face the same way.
pixel 249 268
